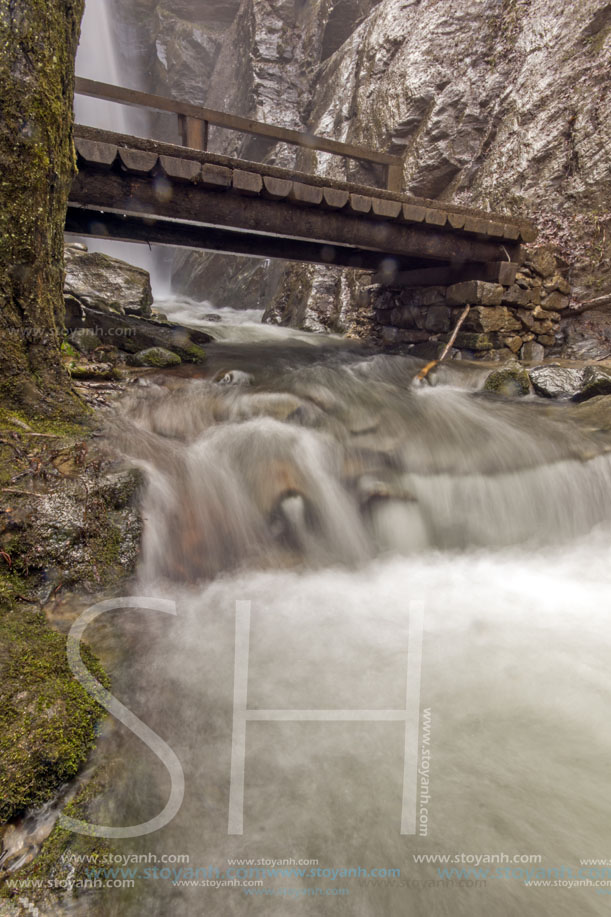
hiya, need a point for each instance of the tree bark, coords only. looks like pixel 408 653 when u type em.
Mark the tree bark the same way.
pixel 38 41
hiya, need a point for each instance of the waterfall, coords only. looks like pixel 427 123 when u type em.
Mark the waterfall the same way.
pixel 97 59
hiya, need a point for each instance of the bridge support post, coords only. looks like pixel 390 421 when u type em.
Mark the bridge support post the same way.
pixel 193 132
pixel 394 177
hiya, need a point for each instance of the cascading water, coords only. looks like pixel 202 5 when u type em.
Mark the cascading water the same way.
pixel 97 59
pixel 330 494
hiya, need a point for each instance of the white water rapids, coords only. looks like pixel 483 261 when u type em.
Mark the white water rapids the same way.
pixel 330 494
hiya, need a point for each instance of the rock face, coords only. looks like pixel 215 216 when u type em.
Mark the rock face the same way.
pixel 497 105
pixel 101 282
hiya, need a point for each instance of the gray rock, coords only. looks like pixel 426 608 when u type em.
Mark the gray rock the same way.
pixel 156 356
pixel 543 261
pixel 107 284
pixel 596 381
pixel 131 334
pixel 84 340
pixel 553 381
pixel 532 352
pixel 511 381
pixel 475 291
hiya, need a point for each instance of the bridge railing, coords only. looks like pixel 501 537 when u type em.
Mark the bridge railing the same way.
pixel 194 121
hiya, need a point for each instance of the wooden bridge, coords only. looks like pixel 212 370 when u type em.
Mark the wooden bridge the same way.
pixel 141 190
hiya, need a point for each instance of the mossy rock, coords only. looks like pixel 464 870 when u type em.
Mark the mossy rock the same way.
pixel 47 720
pixel 158 357
pixel 510 382
pixel 103 372
pixel 596 381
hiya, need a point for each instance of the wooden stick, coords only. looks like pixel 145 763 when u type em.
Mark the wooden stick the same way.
pixel 24 493
pixel 429 366
pixel 601 302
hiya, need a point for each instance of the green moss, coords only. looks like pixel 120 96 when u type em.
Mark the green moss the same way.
pixel 68 350
pixel 94 371
pixel 15 421
pixel 511 382
pixel 47 720
pixel 37 38
pixel 50 861
pixel 195 354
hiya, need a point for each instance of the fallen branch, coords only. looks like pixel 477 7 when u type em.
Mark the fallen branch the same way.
pixel 601 302
pixel 31 433
pixel 429 366
pixel 25 493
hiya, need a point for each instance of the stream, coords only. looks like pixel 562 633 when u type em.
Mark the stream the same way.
pixel 342 507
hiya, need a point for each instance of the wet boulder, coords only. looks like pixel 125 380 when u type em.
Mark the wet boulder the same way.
pixel 108 284
pixel 553 381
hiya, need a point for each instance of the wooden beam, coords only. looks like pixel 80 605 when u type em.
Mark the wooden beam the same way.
pixel 104 225
pixel 110 93
pixel 503 272
pixel 126 193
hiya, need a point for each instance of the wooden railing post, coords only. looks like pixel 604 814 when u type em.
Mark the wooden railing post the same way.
pixel 193 132
pixel 394 176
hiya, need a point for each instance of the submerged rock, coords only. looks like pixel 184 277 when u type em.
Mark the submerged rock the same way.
pixel 553 381
pixel 234 377
pixel 596 381
pixel 511 381
pixel 101 282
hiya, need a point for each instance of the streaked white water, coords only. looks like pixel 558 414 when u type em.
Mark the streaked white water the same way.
pixel 234 325
pixel 330 494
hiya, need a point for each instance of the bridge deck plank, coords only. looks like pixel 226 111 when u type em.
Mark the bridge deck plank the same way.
pixel 180 169
pixel 138 161
pixel 249 183
pixel 456 213
pixel 217 177
pixel 95 151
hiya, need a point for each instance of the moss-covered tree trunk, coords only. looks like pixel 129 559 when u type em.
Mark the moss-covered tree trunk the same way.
pixel 38 40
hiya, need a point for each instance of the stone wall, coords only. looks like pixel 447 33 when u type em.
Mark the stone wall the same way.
pixel 521 316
